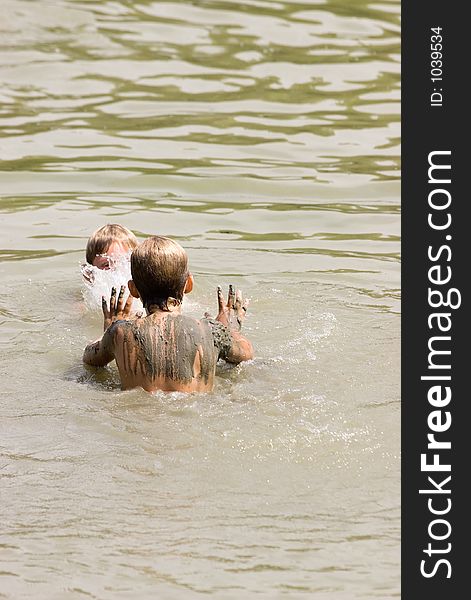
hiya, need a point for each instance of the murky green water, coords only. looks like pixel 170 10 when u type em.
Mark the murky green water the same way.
pixel 264 137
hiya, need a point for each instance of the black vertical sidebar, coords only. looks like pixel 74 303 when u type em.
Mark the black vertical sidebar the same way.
pixel 435 119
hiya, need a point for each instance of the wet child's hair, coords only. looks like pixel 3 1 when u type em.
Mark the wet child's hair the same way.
pixel 159 269
pixel 102 238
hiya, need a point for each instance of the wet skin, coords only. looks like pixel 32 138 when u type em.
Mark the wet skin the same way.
pixel 166 350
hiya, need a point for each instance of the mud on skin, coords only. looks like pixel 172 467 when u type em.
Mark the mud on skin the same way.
pixel 169 347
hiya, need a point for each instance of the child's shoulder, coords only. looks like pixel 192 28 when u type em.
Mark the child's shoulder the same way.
pixel 120 328
pixel 203 329
pixel 190 324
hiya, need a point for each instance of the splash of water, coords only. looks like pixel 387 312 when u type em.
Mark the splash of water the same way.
pixel 98 282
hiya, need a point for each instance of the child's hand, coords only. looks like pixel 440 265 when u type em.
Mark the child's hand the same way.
pixel 118 310
pixel 233 313
pixel 87 273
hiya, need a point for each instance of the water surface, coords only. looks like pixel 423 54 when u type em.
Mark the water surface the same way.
pixel 264 136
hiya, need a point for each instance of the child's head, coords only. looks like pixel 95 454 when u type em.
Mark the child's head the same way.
pixel 109 240
pixel 159 270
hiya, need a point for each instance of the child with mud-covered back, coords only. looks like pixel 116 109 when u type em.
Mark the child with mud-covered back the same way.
pixel 166 350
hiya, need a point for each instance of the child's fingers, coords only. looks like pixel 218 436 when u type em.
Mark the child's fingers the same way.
pixel 220 300
pixel 120 304
pixel 104 307
pixel 128 305
pixel 113 300
pixel 238 299
pixel 231 297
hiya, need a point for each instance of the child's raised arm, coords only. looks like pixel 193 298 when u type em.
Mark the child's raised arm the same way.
pixel 101 352
pixel 231 314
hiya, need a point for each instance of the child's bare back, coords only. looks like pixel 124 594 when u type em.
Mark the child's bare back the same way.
pixel 166 350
